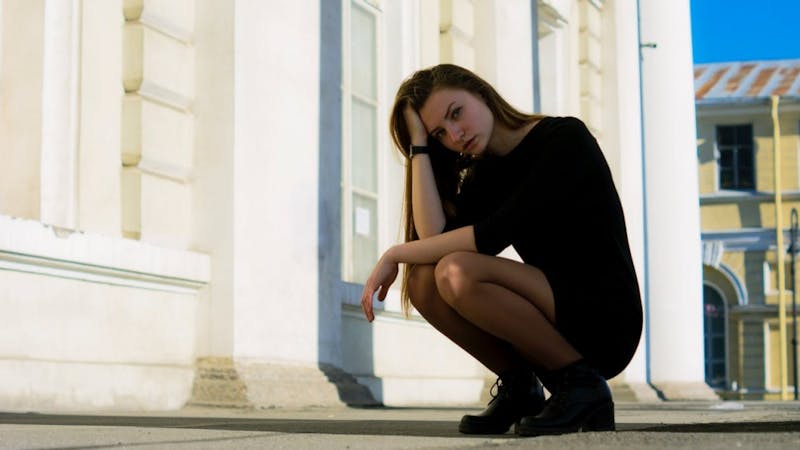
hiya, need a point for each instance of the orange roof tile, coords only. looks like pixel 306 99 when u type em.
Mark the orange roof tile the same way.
pixel 746 80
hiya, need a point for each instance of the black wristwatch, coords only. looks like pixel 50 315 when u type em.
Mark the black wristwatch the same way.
pixel 415 150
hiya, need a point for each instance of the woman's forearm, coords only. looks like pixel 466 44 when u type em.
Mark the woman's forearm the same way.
pixel 426 204
pixel 431 250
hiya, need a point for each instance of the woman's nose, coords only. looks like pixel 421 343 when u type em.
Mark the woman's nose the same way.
pixel 455 133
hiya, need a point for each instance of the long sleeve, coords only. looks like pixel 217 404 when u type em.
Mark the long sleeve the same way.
pixel 558 171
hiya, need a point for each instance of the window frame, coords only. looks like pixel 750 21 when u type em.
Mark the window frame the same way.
pixel 348 189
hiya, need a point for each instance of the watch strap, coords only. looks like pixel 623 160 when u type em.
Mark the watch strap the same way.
pixel 415 150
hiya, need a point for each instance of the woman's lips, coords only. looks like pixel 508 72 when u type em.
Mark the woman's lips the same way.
pixel 469 144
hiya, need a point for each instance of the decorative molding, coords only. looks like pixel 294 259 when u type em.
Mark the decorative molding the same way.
pixel 754 309
pixel 723 197
pixel 174 172
pixel 166 27
pixel 757 107
pixel 132 9
pixel 550 18
pixel 32 247
pixel 166 97
pixel 746 239
pixel 598 3
pixel 712 253
pixel 741 289
pixel 95 274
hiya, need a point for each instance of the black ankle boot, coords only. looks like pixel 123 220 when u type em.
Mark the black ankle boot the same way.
pixel 518 394
pixel 581 402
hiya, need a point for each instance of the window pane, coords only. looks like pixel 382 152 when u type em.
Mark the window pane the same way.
pixel 746 178
pixel 744 135
pixel 714 336
pixel 725 165
pixel 726 135
pixel 362 46
pixel 718 347
pixel 744 157
pixel 726 179
pixel 725 158
pixel 363 164
pixel 365 237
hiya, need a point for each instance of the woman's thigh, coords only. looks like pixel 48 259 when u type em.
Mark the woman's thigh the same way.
pixel 523 279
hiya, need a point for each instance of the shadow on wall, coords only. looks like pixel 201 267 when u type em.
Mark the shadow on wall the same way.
pixel 332 289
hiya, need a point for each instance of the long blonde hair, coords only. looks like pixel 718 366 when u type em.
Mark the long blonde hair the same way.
pixel 449 168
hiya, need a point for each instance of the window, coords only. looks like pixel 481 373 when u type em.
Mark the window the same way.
pixel 714 337
pixel 360 135
pixel 735 161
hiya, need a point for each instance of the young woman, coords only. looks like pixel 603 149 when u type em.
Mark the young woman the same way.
pixel 481 176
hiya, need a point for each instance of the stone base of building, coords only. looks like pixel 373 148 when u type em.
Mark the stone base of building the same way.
pixel 621 390
pixel 424 391
pixel 625 391
pixel 693 390
pixel 55 386
pixel 223 382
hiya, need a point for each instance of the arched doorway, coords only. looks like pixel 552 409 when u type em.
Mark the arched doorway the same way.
pixel 714 337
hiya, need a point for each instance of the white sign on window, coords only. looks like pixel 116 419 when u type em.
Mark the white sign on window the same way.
pixel 362 221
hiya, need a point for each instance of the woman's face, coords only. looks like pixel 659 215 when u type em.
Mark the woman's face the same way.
pixel 458 119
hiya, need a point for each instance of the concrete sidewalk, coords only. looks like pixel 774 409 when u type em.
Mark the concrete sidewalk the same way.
pixel 668 425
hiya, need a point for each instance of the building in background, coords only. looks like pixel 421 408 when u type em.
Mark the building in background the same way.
pixel 192 191
pixel 737 169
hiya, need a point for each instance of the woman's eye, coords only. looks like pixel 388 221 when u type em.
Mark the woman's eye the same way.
pixel 456 113
pixel 438 135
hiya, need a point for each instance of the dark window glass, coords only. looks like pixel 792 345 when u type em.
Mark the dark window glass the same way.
pixel 726 159
pixel 714 337
pixel 726 136
pixel 735 163
pixel 726 179
pixel 744 135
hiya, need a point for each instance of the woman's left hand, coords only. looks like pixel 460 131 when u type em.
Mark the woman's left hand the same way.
pixel 382 276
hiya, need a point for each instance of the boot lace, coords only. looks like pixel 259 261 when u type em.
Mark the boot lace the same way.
pixel 497 391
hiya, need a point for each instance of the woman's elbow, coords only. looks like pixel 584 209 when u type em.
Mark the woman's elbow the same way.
pixel 430 230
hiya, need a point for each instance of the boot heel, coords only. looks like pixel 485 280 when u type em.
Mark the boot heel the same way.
pixel 601 419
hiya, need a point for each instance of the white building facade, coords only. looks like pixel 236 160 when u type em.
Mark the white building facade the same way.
pixel 192 191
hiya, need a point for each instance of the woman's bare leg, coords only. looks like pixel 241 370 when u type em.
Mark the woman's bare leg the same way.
pixel 496 354
pixel 506 299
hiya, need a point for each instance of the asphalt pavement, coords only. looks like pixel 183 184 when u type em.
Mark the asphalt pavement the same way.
pixel 664 425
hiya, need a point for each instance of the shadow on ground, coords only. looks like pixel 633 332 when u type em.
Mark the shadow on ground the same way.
pixel 427 428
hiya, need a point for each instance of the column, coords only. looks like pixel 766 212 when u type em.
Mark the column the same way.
pixel 673 259
pixel 22 30
pixel 60 115
pixel 98 156
pixel 503 52
pixel 622 146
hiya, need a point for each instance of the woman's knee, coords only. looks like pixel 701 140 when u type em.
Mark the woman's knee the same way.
pixel 421 286
pixel 452 275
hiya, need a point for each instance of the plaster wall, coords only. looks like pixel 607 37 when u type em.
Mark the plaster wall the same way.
pixel 90 322
pixel 275 168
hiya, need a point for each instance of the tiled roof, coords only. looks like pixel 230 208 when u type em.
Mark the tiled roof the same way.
pixel 746 80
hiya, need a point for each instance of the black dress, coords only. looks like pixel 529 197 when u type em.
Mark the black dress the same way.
pixel 552 197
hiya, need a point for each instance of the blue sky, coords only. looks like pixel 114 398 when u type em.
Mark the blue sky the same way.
pixel 740 30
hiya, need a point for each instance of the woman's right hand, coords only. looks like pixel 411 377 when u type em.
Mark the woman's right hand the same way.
pixel 416 129
pixel 426 204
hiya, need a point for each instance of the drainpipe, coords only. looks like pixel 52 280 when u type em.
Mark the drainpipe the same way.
pixel 537 100
pixel 776 154
pixel 646 263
